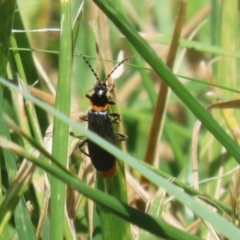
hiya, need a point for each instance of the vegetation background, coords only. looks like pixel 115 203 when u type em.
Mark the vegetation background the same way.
pixel 190 191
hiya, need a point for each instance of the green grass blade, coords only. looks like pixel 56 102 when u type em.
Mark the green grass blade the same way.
pixel 155 209
pixel 6 21
pixel 26 67
pixel 113 227
pixel 76 24
pixel 27 63
pixel 24 224
pixel 60 134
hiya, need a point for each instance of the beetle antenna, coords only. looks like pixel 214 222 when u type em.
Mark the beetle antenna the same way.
pixel 90 66
pixel 120 63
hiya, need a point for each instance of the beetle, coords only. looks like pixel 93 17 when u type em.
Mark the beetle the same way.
pixel 100 122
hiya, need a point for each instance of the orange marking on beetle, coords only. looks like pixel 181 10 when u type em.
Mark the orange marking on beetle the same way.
pixel 98 108
pixel 111 173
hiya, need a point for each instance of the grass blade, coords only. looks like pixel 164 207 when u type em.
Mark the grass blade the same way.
pixel 60 134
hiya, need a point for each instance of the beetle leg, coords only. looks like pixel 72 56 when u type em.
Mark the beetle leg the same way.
pixel 81 145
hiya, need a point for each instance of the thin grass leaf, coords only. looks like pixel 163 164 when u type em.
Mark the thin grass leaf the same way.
pixel 60 134
pixel 155 208
pixel 76 24
pixel 7 10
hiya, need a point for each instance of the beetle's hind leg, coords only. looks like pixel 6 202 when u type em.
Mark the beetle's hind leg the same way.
pixel 81 145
